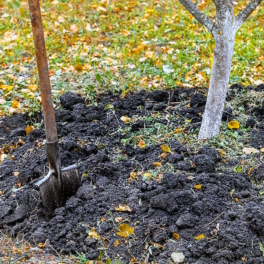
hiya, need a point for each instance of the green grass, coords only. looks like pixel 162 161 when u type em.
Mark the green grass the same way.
pixel 121 46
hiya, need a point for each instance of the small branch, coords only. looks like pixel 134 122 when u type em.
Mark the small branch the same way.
pixel 198 15
pixel 246 12
pixel 213 220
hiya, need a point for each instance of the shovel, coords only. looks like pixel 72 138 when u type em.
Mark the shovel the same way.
pixel 60 183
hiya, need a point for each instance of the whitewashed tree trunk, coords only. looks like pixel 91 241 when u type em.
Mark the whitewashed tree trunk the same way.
pixel 223 30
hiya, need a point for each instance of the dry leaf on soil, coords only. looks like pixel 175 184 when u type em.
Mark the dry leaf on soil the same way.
pixel 93 234
pixel 176 236
pixel 29 129
pixel 125 119
pixel 165 148
pixel 197 186
pixel 125 230
pixel 250 150
pixel 123 208
pixel 141 144
pixel 199 237
pixel 233 124
pixel 116 243
pixel 157 164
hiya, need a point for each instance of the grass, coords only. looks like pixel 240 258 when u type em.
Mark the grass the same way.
pixel 121 46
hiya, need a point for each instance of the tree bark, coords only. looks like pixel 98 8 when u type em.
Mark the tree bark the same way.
pixel 223 53
pixel 218 87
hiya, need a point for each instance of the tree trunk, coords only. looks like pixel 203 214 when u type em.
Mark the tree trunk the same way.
pixel 219 81
pixel 223 53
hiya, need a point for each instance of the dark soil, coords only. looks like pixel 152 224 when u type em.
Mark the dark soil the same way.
pixel 227 209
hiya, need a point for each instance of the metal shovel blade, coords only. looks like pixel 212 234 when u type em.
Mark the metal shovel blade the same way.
pixel 52 195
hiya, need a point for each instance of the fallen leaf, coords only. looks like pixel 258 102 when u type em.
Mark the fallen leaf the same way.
pixel 157 164
pixel 21 142
pixel 141 144
pixel 125 119
pixel 15 104
pixel 249 172
pixel 125 230
pixel 163 155
pixel 118 219
pixel 41 245
pixel 237 200
pixel 156 245
pixel 33 87
pixel 199 237
pixel 16 173
pixel 1 192
pixel 150 55
pixel 197 186
pixel 74 28
pixel 147 175
pixel 93 234
pixel 116 243
pixel 7 88
pixel 108 106
pixel 221 152
pixel 29 129
pixel 176 236
pixel 165 149
pixel 233 124
pixel 123 208
pixel 250 150
pixel 262 150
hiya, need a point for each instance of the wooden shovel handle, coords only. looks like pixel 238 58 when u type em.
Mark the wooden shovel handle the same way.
pixel 43 71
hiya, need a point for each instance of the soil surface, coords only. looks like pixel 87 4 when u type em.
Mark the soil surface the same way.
pixel 169 210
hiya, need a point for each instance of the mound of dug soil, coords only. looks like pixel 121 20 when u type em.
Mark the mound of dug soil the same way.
pixel 209 216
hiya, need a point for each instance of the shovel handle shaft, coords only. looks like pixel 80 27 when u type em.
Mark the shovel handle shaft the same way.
pixel 43 71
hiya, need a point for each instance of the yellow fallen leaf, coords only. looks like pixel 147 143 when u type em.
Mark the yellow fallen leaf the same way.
pixel 16 173
pixel 1 192
pixel 21 142
pixel 157 164
pixel 199 237
pixel 156 245
pixel 249 172
pixel 41 245
pixel 125 119
pixel 221 152
pixel 125 32
pixel 197 186
pixel 15 104
pixel 116 243
pixel 250 150
pixel 74 28
pixel 93 234
pixel 118 219
pixel 165 148
pixel 125 230
pixel 237 200
pixel 177 130
pixel 141 144
pixel 262 150
pixel 176 236
pixel 33 87
pixel 150 55
pixel 29 129
pixel 233 124
pixel 147 174
pixel 123 208
pixel 7 88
